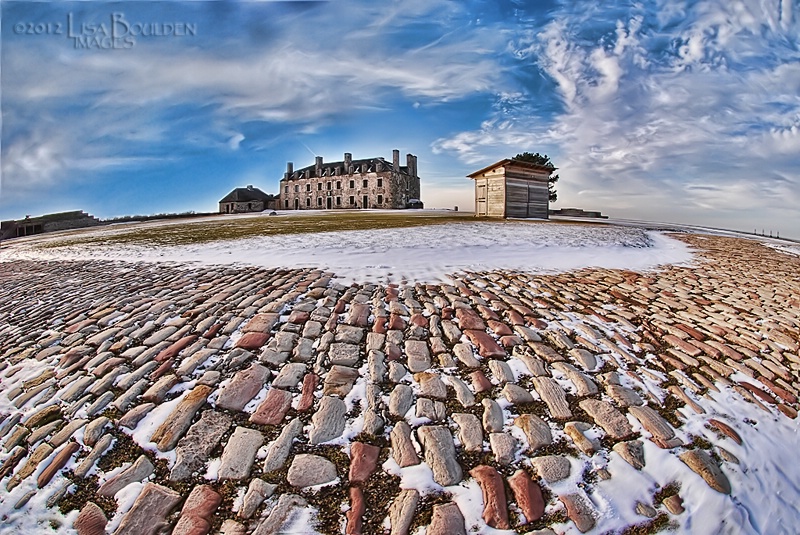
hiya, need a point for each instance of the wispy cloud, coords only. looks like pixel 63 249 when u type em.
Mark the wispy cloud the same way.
pixel 677 112
pixel 127 99
pixel 683 110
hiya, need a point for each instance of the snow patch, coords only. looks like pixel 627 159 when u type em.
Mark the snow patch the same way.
pixel 422 254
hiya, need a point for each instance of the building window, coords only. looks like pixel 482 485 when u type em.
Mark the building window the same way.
pixel 308 187
pixel 338 201
pixel 352 200
pixel 319 201
pixel 380 182
pixel 329 185
pixel 366 183
pixel 319 186
pixel 338 184
pixel 286 203
pixel 286 189
pixel 380 199
pixel 308 202
pixel 296 188
pixel 365 202
pixel 352 183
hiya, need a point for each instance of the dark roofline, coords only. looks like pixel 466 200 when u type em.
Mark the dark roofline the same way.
pixel 506 161
pixel 330 165
pixel 58 216
pixel 341 163
pixel 250 194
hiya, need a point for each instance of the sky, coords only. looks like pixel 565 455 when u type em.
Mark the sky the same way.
pixel 669 110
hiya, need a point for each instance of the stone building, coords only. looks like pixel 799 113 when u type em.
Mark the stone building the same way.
pixel 369 183
pixel 247 199
pixel 512 188
pixel 47 223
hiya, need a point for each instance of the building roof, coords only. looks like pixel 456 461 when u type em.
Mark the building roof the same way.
pixel 520 163
pixel 247 194
pixel 365 165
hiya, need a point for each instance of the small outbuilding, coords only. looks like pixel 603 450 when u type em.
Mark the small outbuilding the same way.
pixel 512 188
pixel 47 223
pixel 249 199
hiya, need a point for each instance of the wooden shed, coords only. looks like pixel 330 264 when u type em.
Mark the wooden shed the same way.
pixel 512 188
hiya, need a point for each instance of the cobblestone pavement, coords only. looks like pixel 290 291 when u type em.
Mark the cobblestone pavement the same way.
pixel 146 398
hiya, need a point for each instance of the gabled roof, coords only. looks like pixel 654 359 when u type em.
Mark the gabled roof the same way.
pixel 519 163
pixel 247 194
pixel 370 163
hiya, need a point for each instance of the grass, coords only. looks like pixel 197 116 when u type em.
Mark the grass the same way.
pixel 209 229
pixel 196 232
pixel 670 489
pixel 656 525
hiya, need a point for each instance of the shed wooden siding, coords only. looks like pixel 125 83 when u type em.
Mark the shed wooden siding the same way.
pixel 526 198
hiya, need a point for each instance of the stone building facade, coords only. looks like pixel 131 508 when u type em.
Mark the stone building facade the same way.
pixel 369 183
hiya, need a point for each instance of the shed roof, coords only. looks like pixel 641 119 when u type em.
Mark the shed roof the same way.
pixel 519 163
pixel 247 194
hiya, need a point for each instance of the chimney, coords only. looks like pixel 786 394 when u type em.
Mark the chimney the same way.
pixel 411 163
pixel 250 187
pixel 289 169
pixel 318 165
pixel 348 163
pixel 396 160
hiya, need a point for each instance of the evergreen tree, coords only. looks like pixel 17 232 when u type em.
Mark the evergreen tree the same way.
pixel 543 160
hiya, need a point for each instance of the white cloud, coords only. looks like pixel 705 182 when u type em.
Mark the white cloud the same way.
pixel 673 133
pixel 293 78
pixel 32 162
pixel 235 141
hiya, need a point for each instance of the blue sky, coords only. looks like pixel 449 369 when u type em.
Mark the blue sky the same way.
pixel 684 111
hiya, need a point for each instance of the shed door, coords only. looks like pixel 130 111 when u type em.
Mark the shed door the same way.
pixel 480 199
pixel 537 207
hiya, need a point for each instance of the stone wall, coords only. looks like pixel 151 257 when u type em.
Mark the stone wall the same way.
pixel 241 207
pixel 382 190
pixel 47 223
pixel 350 184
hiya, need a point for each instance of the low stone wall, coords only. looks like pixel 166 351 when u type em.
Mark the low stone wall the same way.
pixel 47 223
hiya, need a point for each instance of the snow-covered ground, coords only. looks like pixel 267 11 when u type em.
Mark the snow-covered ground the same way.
pixel 417 254
pixel 765 483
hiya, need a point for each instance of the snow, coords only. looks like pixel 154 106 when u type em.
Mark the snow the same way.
pixel 422 254
pixel 35 517
pixel 213 469
pixel 300 521
pixel 125 499
pixel 469 498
